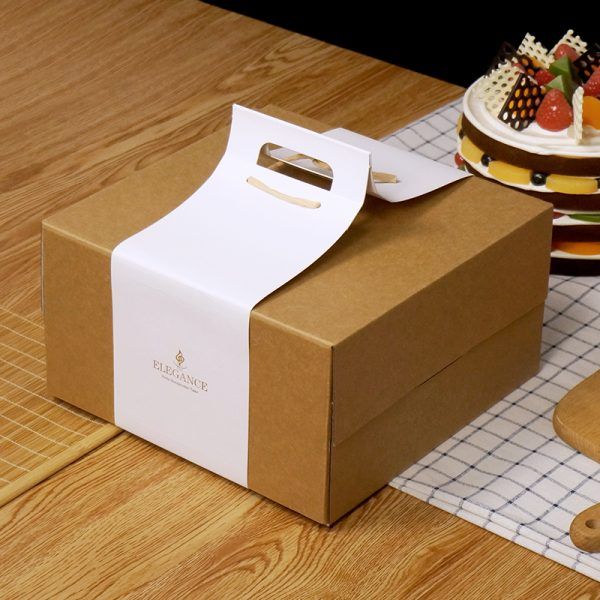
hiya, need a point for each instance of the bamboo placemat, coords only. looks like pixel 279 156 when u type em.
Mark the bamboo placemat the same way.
pixel 38 435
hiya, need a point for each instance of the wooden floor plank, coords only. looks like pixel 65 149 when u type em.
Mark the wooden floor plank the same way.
pixel 131 519
pixel 125 84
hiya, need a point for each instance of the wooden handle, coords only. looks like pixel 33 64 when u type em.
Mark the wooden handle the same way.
pixel 585 529
pixel 577 421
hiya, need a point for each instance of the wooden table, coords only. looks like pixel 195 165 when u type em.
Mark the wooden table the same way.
pixel 91 91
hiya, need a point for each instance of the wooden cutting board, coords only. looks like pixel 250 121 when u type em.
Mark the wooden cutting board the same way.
pixel 577 422
pixel 577 417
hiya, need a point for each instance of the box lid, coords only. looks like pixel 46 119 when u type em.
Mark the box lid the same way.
pixel 401 267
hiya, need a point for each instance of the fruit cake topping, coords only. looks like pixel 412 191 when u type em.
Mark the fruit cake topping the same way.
pixel 558 89
pixel 569 44
pixel 592 86
pixel 554 112
pixel 566 50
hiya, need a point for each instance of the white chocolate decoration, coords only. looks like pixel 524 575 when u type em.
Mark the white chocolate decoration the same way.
pixel 496 87
pixel 577 128
pixel 532 48
pixel 572 40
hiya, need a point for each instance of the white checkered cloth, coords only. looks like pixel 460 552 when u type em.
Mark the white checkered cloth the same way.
pixel 507 471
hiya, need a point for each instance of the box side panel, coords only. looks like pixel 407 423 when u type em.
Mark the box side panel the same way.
pixel 78 324
pixel 436 326
pixel 433 412
pixel 290 377
pixel 290 416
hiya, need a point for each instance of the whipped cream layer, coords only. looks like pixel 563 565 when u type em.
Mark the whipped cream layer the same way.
pixel 533 139
pixel 561 254
pixel 567 221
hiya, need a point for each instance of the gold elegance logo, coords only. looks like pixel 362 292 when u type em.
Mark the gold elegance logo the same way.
pixel 175 374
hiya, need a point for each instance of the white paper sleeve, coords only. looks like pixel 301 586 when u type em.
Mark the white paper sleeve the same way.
pixel 183 289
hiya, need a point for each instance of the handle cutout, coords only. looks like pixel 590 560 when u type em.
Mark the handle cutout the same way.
pixel 296 165
pixel 272 156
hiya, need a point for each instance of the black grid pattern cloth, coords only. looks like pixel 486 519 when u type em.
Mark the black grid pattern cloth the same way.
pixel 507 471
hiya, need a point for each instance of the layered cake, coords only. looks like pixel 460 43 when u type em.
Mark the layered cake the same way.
pixel 533 122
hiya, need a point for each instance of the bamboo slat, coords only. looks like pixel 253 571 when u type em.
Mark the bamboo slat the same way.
pixel 38 435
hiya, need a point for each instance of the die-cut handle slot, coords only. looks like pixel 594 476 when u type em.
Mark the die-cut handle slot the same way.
pixel 296 165
pixel 252 131
pixel 378 176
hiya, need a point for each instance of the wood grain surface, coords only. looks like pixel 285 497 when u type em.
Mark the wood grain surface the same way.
pixel 91 91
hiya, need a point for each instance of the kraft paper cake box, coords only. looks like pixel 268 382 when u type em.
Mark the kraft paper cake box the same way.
pixel 420 317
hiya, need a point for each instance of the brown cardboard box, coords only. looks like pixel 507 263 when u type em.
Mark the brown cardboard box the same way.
pixel 418 319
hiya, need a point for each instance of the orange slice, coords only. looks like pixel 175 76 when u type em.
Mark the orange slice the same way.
pixel 581 248
pixel 591 111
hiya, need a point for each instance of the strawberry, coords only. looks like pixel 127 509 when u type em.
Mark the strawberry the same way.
pixel 554 113
pixel 566 49
pixel 459 161
pixel 543 77
pixel 592 86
